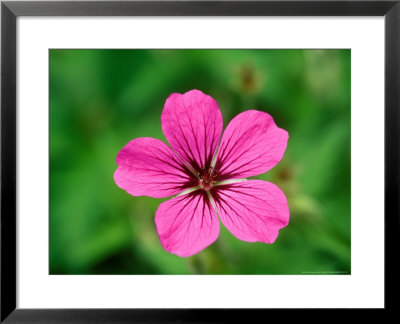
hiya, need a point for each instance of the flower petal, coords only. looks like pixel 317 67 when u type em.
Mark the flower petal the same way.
pixel 192 124
pixel 252 210
pixel 251 144
pixel 148 167
pixel 187 224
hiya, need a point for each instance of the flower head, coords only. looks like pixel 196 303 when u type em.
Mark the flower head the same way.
pixel 206 173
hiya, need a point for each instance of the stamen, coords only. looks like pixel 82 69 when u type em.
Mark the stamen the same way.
pixel 207 178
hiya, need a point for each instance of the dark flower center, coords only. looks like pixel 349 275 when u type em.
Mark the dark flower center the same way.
pixel 207 177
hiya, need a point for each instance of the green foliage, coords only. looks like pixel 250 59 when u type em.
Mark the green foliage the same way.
pixel 101 99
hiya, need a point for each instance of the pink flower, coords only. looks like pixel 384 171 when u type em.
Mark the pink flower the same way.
pixel 208 182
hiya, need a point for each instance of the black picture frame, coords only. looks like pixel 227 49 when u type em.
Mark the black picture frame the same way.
pixel 10 10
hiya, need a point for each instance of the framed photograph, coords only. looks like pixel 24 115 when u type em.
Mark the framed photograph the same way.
pixel 190 161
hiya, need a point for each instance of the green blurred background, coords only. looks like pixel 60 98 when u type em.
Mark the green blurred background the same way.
pixel 101 99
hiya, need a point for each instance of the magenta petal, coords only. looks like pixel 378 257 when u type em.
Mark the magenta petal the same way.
pixel 187 224
pixel 251 144
pixel 252 210
pixel 192 124
pixel 148 167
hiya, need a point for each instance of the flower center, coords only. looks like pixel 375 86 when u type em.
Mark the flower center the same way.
pixel 207 178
